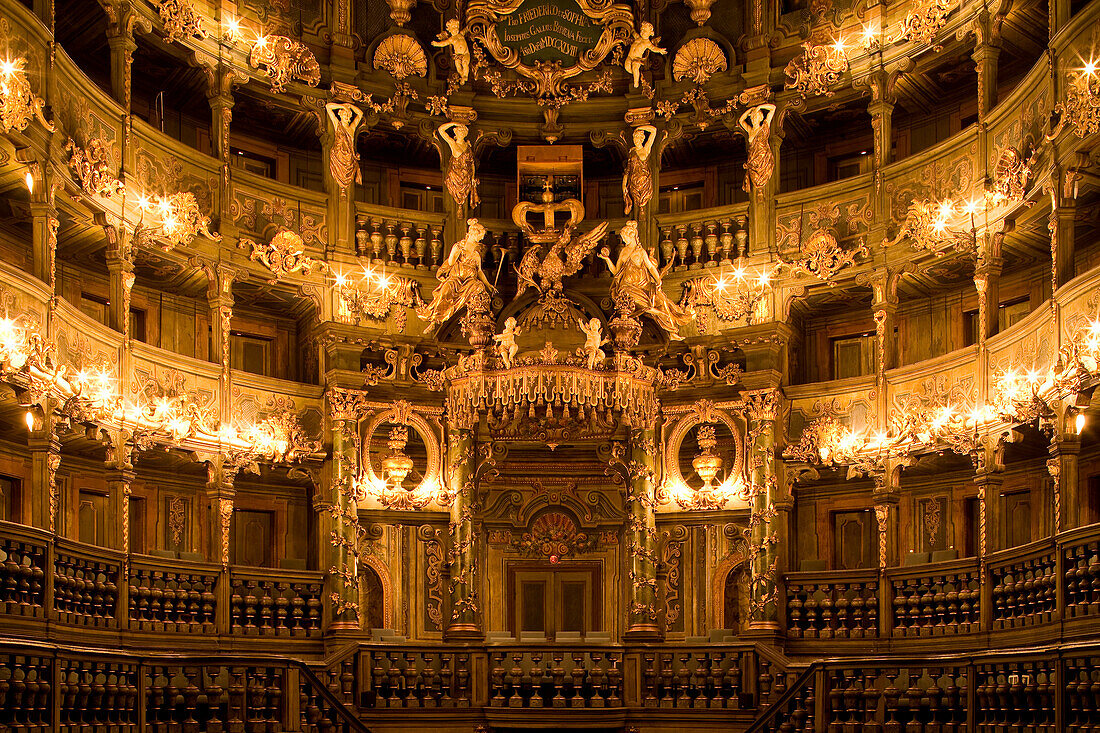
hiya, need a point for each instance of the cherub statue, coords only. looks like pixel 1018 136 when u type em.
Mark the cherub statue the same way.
pixel 462 283
pixel 460 49
pixel 636 280
pixel 643 43
pixel 460 180
pixel 506 342
pixel 551 268
pixel 593 341
pixel 757 124
pixel 637 178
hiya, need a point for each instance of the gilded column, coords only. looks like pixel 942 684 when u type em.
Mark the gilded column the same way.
pixel 465 609
pixel 988 479
pixel 340 510
pixel 761 411
pixel 642 612
pixel 44 223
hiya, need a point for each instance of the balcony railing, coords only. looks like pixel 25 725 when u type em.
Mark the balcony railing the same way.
pixel 1050 586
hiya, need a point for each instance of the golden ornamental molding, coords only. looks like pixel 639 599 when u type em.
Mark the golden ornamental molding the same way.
pixel 817 69
pixel 284 60
pixel 401 56
pixel 284 255
pixel 93 170
pixel 180 19
pixel 698 60
pixel 18 104
pixel 1081 108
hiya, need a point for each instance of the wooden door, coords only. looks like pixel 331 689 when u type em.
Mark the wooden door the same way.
pixel 852 540
pixel 554 600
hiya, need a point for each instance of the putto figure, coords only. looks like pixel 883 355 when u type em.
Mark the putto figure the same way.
pixel 462 283
pixel 506 342
pixel 460 49
pixel 460 180
pixel 343 159
pixel 757 124
pixel 643 43
pixel 636 281
pixel 593 341
pixel 637 178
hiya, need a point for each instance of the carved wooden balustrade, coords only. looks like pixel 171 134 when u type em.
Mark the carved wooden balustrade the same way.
pixel 86 585
pixel 706 238
pixel 699 678
pixel 286 605
pixel 418 678
pixel 44 688
pixel 944 601
pixel 1052 585
pixel 1024 586
pixel 399 237
pixel 179 599
pixel 97 588
pixel 833 605
pixel 555 677
pixel 1043 690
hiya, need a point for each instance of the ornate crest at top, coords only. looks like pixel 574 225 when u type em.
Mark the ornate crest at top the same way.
pixel 576 35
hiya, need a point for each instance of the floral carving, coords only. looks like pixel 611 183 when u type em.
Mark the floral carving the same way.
pixel 924 22
pixel 1082 106
pixel 401 56
pixel 554 536
pixel 17 102
pixel 177 519
pixel 817 69
pixel 180 20
pixel 285 60
pixel 285 255
pixel 823 257
pixel 92 167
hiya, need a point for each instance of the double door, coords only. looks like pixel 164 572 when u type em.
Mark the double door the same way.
pixel 554 599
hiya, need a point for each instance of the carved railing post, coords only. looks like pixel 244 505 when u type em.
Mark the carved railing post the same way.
pixel 465 617
pixel 642 609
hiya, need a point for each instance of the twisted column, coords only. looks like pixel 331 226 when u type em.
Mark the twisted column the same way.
pixel 465 612
pixel 642 613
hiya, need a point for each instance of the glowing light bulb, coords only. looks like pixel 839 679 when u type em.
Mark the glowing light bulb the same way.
pixel 1079 422
pixel 1090 68
pixel 29 419
pixel 29 180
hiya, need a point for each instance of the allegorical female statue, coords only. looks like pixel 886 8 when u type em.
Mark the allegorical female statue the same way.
pixel 462 283
pixel 460 179
pixel 343 160
pixel 637 178
pixel 757 124
pixel 636 279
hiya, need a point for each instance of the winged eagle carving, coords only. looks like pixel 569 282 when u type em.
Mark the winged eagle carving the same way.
pixel 563 259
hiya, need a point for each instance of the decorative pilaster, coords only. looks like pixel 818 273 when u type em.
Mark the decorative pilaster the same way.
pixel 44 223
pixel 120 274
pixel 465 610
pixel 45 450
pixel 884 307
pixel 221 494
pixel 340 511
pixel 120 479
pixel 642 612
pixel 761 411
pixel 220 96
pixel 1063 466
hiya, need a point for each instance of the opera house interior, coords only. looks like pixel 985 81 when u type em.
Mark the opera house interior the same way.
pixel 493 365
